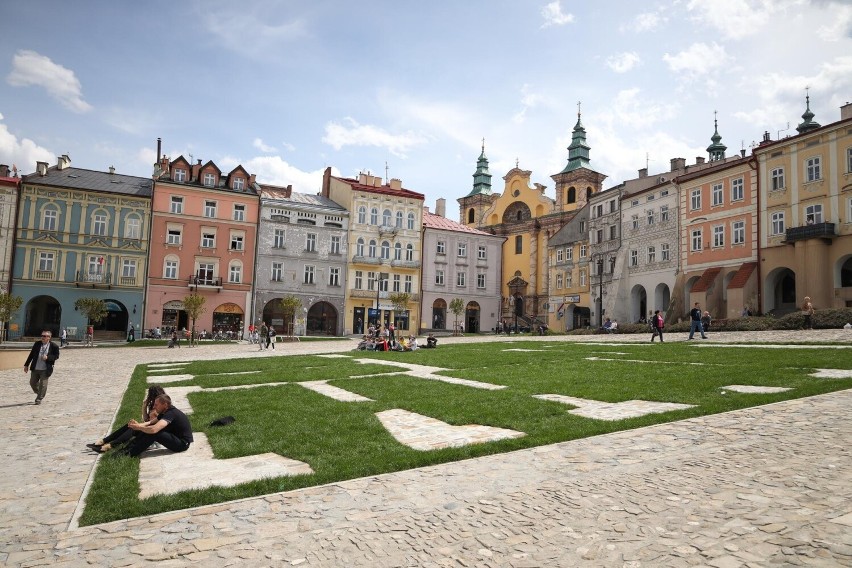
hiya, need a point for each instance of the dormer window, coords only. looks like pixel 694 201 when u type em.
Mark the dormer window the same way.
pixel 209 180
pixel 179 175
pixel 239 183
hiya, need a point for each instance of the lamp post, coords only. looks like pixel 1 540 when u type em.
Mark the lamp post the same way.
pixel 378 291
pixel 600 291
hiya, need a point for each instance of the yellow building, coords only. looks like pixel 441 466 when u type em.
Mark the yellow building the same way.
pixel 384 249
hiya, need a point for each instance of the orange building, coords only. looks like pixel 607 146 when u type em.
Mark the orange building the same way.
pixel 203 237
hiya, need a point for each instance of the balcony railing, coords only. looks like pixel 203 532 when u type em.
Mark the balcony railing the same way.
pixel 93 279
pixel 44 275
pixel 205 282
pixel 406 263
pixel 814 231
pixel 128 281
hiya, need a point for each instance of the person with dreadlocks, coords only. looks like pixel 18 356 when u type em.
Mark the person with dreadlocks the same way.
pixel 125 434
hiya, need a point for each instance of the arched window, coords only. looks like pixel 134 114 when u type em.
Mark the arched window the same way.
pixel 386 217
pixel 411 220
pixel 48 219
pixel 359 247
pixel 362 214
pixel 409 253
pixel 374 216
pixel 471 215
pixel 397 251
pixel 385 250
pixel 572 195
pixel 588 193
pixel 372 249
pixel 235 272
pixel 399 218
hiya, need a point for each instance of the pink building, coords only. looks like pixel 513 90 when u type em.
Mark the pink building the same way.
pixel 203 235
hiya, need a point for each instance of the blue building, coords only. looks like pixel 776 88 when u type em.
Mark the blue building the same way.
pixel 80 233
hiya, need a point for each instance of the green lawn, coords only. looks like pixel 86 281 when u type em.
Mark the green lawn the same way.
pixel 345 440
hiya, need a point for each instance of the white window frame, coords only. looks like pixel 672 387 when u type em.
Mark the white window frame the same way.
pixel 277 273
pixel 210 208
pixel 695 199
pixel 239 184
pixel 399 219
pixel 409 253
pixel 650 215
pixel 634 220
pixel 559 281
pixel 559 255
pixel 335 244
pixel 813 169
pixel 481 252
pixel 411 221
pixel 697 240
pixel 387 218
pixel 652 254
pixel 664 252
pixel 440 247
pixel 718 236
pixel 309 274
pixel 238 240
pixel 569 254
pixel 583 250
pixel 208 239
pixel 359 279
pixel 737 189
pixel 99 224
pixel 209 179
pixel 49 218
pixel 385 250
pixel 738 232
pixel 310 242
pixel 362 215
pixel 777 179
pixel 634 257
pixel 396 283
pixel 397 251
pixel 664 213
pixel 813 214
pixel 239 211
pixel 439 278
pixel 409 284
pixel 179 175
pixel 371 248
pixel 359 247
pixel 46 261
pixel 132 227
pixel 718 194
pixel 778 223
pixel 461 279
pixel 235 273
pixel 176 205
pixel 462 250
pixel 334 276
pixel 279 237
pixel 170 269
pixel 374 216
pixel 174 236
pixel 480 281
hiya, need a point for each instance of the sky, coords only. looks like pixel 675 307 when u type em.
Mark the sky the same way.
pixel 409 90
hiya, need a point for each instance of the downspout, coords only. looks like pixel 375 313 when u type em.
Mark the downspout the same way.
pixel 752 163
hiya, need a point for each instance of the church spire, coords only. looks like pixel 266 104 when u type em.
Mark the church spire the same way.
pixel 809 123
pixel 481 178
pixel 716 149
pixel 578 151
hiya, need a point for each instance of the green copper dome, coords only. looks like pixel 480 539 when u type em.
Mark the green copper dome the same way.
pixel 716 149
pixel 578 151
pixel 481 178
pixel 809 123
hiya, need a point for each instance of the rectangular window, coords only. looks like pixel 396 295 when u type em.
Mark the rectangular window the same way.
pixel 409 253
pixel 383 282
pixel 179 175
pixel 519 244
pixel 49 220
pixel 813 169
pixel 849 160
pixel 409 284
pixel 613 232
pixel 210 207
pixel 209 179
pixel 778 223
pixel 237 241
pixel 309 275
pixel 371 281
pixel 480 281
pixel 481 252
pixel 599 236
pixel 205 273
pixel 664 193
pixel 278 238
pixel 695 200
pixel 634 258
pixel 652 255
pixel 239 184
pixel 634 221
pixel 239 210
pixel 650 197
pixel 460 279
pixel 132 228
pixel 738 232
pixel 664 213
pixel 45 261
pixel 813 214
pixel 650 216
pixel 717 194
pixel 737 192
pixel 559 255
pixel 777 176
pixel 96 265
pixel 462 249
pixel 171 270
pixel 718 236
pixel 569 254
pixel 128 268
pixel 439 277
pixel 696 240
pixel 235 274
pixel 208 240
pixel 334 277
pixel 558 280
pixel 311 242
pixel 177 204
pixel 583 250
pixel 359 280
pixel 396 282
pixel 335 244
pixel 582 278
pixel 174 237
pixel 664 252
pixel 99 225
pixel 612 205
pixel 569 280
pixel 440 247
pixel 277 271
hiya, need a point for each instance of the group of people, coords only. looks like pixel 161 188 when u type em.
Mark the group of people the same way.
pixel 609 326
pixel 384 343
pixel 263 336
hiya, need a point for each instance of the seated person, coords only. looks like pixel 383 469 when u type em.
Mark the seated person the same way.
pixel 172 430
pixel 607 326
pixel 362 345
pixel 402 345
pixel 412 343
pixel 614 327
pixel 431 341
pixel 125 434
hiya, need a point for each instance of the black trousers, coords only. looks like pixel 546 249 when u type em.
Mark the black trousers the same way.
pixel 142 442
pixel 123 434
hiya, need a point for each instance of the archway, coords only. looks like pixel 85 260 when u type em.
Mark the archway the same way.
pixel 322 319
pixel 471 318
pixel 662 298
pixel 116 319
pixel 844 272
pixel 42 312
pixel 228 317
pixel 780 291
pixel 273 314
pixel 439 314
pixel 638 303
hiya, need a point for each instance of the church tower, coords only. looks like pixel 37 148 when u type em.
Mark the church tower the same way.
pixel 716 149
pixel 473 205
pixel 577 181
pixel 809 123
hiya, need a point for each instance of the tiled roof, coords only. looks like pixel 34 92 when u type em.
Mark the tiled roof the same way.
pixel 432 221
pixel 381 190
pixel 76 178
pixel 706 281
pixel 742 276
pixel 301 198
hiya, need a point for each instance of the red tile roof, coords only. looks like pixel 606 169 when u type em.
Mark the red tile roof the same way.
pixel 706 281
pixel 432 221
pixel 381 189
pixel 742 276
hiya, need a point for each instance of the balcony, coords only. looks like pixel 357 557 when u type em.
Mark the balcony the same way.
pixel 406 263
pixel 127 281
pixel 366 259
pixel 196 282
pixel 94 280
pixel 814 231
pixel 44 275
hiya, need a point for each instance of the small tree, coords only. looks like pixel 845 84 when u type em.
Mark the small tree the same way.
pixel 9 306
pixel 399 300
pixel 457 308
pixel 290 306
pixel 93 309
pixel 194 306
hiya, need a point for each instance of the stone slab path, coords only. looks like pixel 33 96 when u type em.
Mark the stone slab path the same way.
pixel 612 410
pixel 425 433
pixel 764 486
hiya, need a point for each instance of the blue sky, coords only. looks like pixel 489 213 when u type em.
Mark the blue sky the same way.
pixel 287 88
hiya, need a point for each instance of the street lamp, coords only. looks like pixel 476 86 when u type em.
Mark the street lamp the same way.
pixel 378 291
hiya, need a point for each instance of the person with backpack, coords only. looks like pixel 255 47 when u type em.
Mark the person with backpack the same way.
pixel 657 326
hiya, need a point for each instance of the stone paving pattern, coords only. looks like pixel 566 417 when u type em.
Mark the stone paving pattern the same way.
pixel 425 433
pixel 612 410
pixel 764 486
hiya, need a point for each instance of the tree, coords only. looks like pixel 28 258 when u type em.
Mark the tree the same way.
pixel 457 307
pixel 93 309
pixel 9 306
pixel 399 300
pixel 290 306
pixel 194 306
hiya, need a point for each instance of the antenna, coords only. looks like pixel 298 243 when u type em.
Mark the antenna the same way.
pixel 646 160
pixel 387 179
pixel 778 137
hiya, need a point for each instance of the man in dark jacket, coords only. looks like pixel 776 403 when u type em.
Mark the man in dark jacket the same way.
pixel 171 428
pixel 695 322
pixel 40 364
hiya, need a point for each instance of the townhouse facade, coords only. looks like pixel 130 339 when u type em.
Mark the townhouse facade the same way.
pixel 384 256
pixel 80 233
pixel 10 185
pixel 805 215
pixel 203 238
pixel 569 274
pixel 301 251
pixel 459 262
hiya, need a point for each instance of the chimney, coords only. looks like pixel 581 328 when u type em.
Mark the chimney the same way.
pixel 395 183
pixel 63 162
pixel 4 170
pixel 643 173
pixel 846 111
pixel 159 146
pixel 699 160
pixel 425 209
pixel 742 153
pixel 288 191
pixel 441 207
pixel 362 178
pixel 111 170
pixel 41 168
pixel 252 178
pixel 196 170
pixel 326 182
pixel 377 181
pixel 678 164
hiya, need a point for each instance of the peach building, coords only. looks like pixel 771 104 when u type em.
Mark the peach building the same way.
pixel 203 236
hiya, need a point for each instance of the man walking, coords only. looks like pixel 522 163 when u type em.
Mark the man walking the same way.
pixel 264 336
pixel 695 321
pixel 171 428
pixel 40 364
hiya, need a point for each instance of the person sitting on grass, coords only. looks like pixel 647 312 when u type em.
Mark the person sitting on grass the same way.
pixel 172 430
pixel 412 343
pixel 431 341
pixel 607 326
pixel 614 327
pixel 125 434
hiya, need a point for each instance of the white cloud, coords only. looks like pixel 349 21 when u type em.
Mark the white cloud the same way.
pixel 698 59
pixel 529 99
pixel 258 143
pixel 646 22
pixel 233 23
pixel 553 16
pixel 274 170
pixel 736 19
pixel 623 62
pixel 23 153
pixel 33 69
pixel 840 27
pixel 353 134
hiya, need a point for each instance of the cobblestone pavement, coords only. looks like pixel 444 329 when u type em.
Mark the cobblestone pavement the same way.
pixel 763 486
